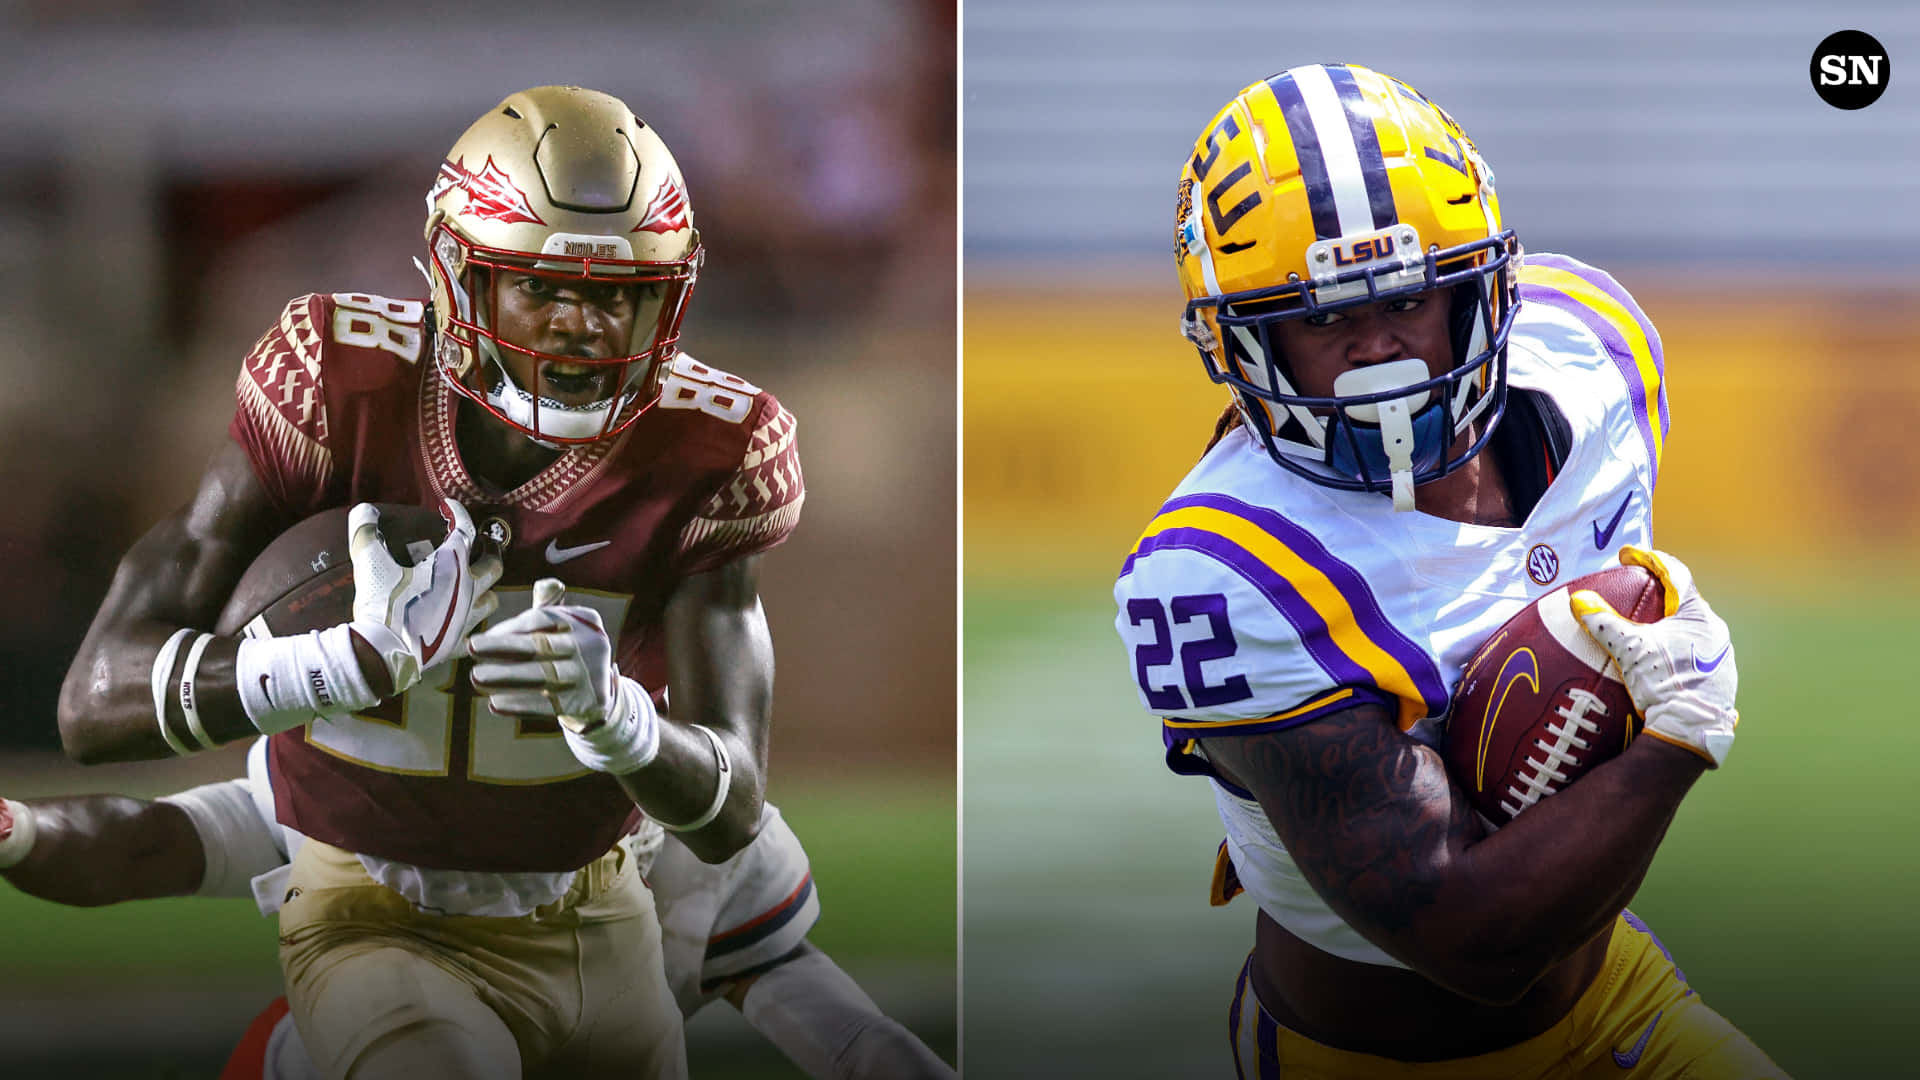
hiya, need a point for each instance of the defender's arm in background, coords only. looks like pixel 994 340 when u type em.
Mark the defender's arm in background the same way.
pixel 720 669
pixel 91 850
pixel 178 575
pixel 1379 830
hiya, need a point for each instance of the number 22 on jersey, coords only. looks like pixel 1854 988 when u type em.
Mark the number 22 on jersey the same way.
pixel 414 737
pixel 1157 651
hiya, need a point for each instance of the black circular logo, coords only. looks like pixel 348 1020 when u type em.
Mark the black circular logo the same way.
pixel 1850 70
pixel 497 532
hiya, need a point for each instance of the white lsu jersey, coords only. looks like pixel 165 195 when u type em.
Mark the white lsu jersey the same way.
pixel 1257 600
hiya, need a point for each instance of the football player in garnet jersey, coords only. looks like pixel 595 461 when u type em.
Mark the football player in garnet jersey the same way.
pixel 735 930
pixel 463 908
pixel 1427 431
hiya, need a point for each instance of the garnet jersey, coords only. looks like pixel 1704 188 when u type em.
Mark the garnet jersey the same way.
pixel 339 404
pixel 1257 601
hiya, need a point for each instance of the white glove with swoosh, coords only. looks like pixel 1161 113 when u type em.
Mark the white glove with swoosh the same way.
pixel 1679 671
pixel 414 617
pixel 417 616
pixel 556 660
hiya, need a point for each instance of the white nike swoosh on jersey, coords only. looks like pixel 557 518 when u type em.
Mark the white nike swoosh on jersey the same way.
pixel 557 554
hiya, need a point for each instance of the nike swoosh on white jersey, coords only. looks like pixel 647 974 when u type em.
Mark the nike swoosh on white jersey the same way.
pixel 557 554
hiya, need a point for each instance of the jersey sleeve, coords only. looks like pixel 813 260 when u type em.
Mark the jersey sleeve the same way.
pixel 758 505
pixel 1632 345
pixel 1237 621
pixel 238 845
pixel 280 414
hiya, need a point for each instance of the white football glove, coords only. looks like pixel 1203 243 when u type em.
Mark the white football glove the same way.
pixel 1679 671
pixel 555 660
pixel 415 617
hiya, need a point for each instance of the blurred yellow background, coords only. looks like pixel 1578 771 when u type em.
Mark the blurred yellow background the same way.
pixel 1796 423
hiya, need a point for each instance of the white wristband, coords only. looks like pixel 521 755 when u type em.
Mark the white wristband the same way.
pixel 19 842
pixel 627 740
pixel 725 765
pixel 286 681
pixel 162 674
pixel 187 703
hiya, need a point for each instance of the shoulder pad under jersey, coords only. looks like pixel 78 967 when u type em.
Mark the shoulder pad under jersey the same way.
pixel 1587 316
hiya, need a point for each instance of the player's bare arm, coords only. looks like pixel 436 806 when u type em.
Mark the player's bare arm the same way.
pixel 92 850
pixel 720 666
pixel 177 575
pixel 151 679
pixel 1381 833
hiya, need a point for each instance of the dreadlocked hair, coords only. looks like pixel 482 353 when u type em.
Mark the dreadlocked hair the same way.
pixel 1230 418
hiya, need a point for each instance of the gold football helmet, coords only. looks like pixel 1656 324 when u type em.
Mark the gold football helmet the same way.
pixel 1327 187
pixel 564 183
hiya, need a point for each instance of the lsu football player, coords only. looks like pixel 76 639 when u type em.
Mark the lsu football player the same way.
pixel 462 906
pixel 735 930
pixel 1428 430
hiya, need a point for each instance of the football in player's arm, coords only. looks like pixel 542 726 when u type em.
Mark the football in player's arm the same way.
pixel 1424 425
pixel 751 913
pixel 179 574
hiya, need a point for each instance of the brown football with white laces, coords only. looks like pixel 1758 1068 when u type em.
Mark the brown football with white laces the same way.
pixel 1541 703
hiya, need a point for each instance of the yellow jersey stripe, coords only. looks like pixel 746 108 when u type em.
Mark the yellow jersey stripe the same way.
pixel 1340 693
pixel 1311 584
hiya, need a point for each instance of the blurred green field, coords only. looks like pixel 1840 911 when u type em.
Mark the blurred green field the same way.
pixel 1783 889
pixel 883 858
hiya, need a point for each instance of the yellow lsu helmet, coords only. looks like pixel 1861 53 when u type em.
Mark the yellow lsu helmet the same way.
pixel 1327 187
pixel 565 183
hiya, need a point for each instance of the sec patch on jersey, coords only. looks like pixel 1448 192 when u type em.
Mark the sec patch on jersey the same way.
pixel 304 579
pixel 1541 703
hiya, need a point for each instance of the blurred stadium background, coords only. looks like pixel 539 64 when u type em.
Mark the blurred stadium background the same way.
pixel 171 173
pixel 1772 240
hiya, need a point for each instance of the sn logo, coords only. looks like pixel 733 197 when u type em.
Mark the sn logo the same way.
pixel 1850 70
pixel 1836 70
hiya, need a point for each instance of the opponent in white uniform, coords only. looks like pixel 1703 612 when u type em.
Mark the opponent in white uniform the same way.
pixel 1429 432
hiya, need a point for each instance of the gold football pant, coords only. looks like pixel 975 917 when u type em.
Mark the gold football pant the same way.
pixel 1638 1021
pixel 381 990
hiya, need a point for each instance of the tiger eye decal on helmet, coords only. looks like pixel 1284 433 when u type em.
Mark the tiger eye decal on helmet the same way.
pixel 558 200
pixel 1333 186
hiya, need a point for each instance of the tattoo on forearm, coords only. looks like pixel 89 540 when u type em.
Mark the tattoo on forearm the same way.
pixel 1365 811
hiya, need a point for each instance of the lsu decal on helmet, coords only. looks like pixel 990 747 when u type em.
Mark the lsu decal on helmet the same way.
pixel 566 184
pixel 1324 188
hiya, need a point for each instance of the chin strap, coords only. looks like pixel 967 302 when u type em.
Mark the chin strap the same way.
pixel 1396 435
pixel 519 406
pixel 1394 416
